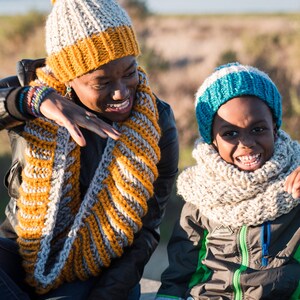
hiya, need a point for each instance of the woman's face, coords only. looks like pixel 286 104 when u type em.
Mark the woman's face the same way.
pixel 110 90
pixel 244 132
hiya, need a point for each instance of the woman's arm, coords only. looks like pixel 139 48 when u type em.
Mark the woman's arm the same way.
pixel 15 104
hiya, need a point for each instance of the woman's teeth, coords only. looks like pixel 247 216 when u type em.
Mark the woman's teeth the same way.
pixel 118 106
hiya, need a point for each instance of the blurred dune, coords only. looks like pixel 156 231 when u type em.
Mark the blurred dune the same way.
pixel 179 52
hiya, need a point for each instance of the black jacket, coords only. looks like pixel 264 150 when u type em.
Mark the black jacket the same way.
pixel 125 272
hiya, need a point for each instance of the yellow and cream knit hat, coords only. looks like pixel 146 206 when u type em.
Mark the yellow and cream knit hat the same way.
pixel 82 35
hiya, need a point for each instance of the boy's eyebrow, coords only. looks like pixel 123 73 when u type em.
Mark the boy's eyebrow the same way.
pixel 229 125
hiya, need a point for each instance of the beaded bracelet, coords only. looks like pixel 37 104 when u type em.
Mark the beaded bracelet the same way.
pixel 21 103
pixel 31 98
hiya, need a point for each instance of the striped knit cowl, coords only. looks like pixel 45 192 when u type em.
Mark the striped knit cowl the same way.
pixel 65 236
pixel 232 197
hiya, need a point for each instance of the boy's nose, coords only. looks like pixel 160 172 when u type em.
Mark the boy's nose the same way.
pixel 247 141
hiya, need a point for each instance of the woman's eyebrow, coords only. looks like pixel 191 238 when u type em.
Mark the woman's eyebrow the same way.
pixel 134 63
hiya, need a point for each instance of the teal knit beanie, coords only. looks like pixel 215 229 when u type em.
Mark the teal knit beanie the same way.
pixel 230 81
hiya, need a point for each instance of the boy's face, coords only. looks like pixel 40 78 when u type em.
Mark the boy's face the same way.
pixel 244 132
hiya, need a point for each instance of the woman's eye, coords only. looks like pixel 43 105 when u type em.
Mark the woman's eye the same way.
pixel 132 73
pixel 100 86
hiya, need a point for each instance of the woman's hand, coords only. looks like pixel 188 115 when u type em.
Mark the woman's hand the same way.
pixel 292 184
pixel 70 115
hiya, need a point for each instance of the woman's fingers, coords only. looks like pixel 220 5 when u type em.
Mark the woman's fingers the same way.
pixel 75 133
pixel 103 129
pixel 71 116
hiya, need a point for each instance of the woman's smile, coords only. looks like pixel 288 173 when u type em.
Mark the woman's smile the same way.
pixel 109 90
pixel 119 107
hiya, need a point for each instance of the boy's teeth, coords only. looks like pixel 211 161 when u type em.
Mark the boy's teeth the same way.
pixel 249 157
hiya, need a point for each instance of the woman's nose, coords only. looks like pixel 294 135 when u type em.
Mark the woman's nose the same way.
pixel 119 92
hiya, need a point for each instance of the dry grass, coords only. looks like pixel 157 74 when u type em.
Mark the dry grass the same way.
pixel 191 47
pixel 194 46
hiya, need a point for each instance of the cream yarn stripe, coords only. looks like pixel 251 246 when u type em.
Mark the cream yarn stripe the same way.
pixel 82 19
pixel 62 238
pixel 234 198
pixel 226 71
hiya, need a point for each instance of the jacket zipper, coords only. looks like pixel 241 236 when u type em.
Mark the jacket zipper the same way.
pixel 238 294
pixel 265 242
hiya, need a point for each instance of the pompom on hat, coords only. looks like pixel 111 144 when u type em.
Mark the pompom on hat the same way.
pixel 82 35
pixel 230 81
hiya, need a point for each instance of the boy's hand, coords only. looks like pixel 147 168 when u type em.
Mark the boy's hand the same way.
pixel 292 184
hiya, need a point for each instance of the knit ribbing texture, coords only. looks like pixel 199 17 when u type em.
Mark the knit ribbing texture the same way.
pixel 63 237
pixel 230 81
pixel 232 197
pixel 83 35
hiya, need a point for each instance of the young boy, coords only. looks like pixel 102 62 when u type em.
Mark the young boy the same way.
pixel 238 235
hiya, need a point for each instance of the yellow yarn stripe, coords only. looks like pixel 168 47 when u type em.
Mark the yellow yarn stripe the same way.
pixel 75 60
pixel 135 172
pixel 108 231
pixel 150 139
pixel 129 189
pixel 97 237
pixel 87 253
pixel 119 199
pixel 115 213
pixel 146 111
pixel 145 158
pixel 111 212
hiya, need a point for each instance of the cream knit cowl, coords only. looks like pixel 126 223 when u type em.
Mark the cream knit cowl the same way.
pixel 232 197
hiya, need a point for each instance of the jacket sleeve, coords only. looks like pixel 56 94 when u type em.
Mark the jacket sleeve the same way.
pixel 9 115
pixel 10 87
pixel 124 273
pixel 183 255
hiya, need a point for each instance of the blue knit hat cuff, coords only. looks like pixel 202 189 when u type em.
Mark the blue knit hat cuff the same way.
pixel 230 81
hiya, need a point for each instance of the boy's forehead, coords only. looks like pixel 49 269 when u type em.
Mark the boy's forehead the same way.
pixel 244 106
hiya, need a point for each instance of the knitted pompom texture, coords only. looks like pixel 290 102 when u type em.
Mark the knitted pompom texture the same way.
pixel 230 81
pixel 82 35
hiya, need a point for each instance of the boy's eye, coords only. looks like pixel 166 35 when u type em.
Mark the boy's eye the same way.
pixel 230 134
pixel 258 129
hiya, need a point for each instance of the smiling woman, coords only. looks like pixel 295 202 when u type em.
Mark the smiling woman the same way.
pixel 95 156
pixel 110 90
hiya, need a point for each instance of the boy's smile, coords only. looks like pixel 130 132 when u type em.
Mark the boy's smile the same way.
pixel 244 132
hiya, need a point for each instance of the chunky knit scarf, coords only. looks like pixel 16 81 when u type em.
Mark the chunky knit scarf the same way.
pixel 234 198
pixel 64 235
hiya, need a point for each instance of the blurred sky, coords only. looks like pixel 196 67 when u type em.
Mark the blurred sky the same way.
pixel 175 6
